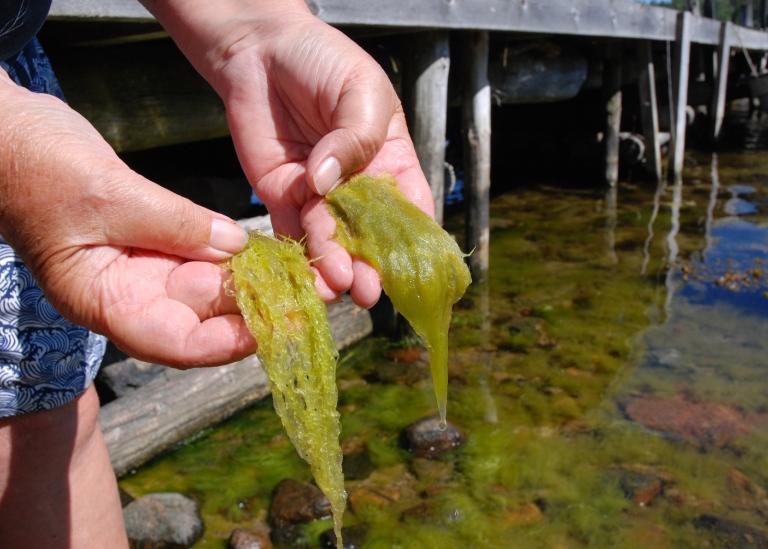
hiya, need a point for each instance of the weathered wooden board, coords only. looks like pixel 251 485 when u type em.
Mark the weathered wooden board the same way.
pixel 138 104
pixel 178 404
pixel 612 18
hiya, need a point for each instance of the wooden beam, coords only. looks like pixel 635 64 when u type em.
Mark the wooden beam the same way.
pixel 649 109
pixel 680 72
pixel 612 98
pixel 721 80
pixel 425 99
pixel 136 104
pixel 476 126
pixel 608 18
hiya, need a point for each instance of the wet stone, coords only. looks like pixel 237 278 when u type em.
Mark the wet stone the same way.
pixel 729 533
pixel 705 424
pixel 640 487
pixel 744 493
pixel 295 502
pixel 357 465
pixel 249 539
pixel 353 536
pixel 396 373
pixel 424 439
pixel 163 521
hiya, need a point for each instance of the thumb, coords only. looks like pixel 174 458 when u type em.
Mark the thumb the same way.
pixel 151 217
pixel 359 129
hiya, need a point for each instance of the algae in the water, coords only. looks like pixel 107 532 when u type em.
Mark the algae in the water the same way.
pixel 421 267
pixel 275 290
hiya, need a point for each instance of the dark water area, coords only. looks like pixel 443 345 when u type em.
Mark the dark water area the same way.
pixel 610 381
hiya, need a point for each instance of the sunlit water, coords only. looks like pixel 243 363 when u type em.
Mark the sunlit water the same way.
pixel 610 379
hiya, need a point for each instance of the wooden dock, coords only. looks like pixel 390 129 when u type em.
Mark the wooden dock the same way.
pixel 616 26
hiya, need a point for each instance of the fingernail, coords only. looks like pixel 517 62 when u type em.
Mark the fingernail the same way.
pixel 327 176
pixel 227 236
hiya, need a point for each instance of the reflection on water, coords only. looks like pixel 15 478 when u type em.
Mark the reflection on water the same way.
pixel 610 379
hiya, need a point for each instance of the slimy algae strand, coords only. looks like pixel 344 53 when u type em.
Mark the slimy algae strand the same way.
pixel 275 290
pixel 421 267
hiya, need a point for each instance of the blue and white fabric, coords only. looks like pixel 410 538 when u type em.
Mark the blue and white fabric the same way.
pixel 45 360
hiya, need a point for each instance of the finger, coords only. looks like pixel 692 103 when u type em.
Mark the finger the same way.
pixel 168 332
pixel 324 291
pixel 329 258
pixel 201 287
pixel 366 286
pixel 144 215
pixel 359 129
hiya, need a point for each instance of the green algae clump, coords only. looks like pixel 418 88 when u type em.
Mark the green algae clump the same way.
pixel 421 267
pixel 275 290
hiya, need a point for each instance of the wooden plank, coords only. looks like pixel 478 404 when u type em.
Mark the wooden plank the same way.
pixel 680 72
pixel 610 18
pixel 612 96
pixel 721 80
pixel 425 99
pixel 476 122
pixel 179 404
pixel 649 109
pixel 138 105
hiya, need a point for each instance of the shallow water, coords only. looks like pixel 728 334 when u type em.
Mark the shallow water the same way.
pixel 610 380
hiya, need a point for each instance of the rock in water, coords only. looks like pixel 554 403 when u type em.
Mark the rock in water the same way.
pixel 163 521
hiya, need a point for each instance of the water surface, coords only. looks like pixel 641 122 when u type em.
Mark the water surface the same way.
pixel 610 379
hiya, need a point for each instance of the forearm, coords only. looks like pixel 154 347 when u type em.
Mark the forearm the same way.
pixel 208 32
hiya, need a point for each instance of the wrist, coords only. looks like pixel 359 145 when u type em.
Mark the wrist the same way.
pixel 208 33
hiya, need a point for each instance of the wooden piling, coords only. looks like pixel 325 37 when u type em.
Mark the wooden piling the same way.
pixel 649 109
pixel 425 99
pixel 680 72
pixel 612 95
pixel 721 80
pixel 476 125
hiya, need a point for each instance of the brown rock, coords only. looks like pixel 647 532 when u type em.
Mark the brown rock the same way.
pixel 369 494
pixel 705 424
pixel 295 502
pixel 525 514
pixel 743 493
pixel 727 532
pixel 424 438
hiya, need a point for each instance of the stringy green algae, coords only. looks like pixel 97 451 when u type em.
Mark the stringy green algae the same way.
pixel 275 290
pixel 421 267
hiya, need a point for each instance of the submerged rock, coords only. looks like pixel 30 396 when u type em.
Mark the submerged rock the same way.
pixel 704 424
pixel 295 502
pixel 249 539
pixel 163 521
pixel 727 532
pixel 425 439
pixel 354 537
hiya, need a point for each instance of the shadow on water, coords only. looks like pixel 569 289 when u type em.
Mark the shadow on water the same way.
pixel 609 377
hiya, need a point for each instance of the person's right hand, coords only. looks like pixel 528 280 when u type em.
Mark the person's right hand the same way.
pixel 113 251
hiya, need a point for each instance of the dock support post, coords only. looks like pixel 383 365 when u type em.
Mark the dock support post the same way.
pixel 612 95
pixel 476 126
pixel 721 80
pixel 680 74
pixel 425 99
pixel 649 109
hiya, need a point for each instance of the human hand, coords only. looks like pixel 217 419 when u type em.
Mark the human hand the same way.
pixel 113 251
pixel 306 107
